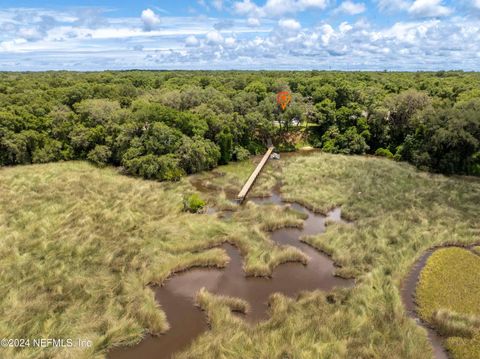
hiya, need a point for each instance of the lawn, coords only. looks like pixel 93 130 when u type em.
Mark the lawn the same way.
pixel 80 244
pixel 448 296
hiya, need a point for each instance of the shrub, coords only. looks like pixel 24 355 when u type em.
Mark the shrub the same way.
pixel 285 147
pixel 356 142
pixel 475 165
pixel 49 152
pixel 240 153
pixel 99 155
pixel 255 148
pixel 398 153
pixel 384 152
pixel 163 168
pixel 193 203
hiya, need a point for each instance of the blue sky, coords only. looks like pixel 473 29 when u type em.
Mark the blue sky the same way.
pixel 240 34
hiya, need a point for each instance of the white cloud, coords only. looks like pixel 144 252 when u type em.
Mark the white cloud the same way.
pixel 351 8
pixel 191 41
pixel 411 33
pixel 203 4
pixel 418 8
pixel 429 8
pixel 29 33
pixel 476 4
pixel 326 32
pixel 214 38
pixel 149 19
pixel 289 24
pixel 392 5
pixel 246 7
pixel 277 7
pixel 230 41
pixel 313 3
pixel 345 27
pixel 254 22
pixel 30 40
pixel 217 4
pixel 12 45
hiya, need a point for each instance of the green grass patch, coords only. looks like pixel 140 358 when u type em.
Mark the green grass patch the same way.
pixel 448 296
pixel 193 203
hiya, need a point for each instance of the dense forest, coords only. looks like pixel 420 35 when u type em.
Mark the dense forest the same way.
pixel 163 125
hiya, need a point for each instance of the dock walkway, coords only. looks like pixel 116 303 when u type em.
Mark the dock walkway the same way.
pixel 251 180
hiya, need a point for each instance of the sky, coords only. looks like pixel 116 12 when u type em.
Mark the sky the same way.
pixel 393 35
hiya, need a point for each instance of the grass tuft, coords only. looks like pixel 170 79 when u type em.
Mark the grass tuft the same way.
pixel 208 301
pixel 451 324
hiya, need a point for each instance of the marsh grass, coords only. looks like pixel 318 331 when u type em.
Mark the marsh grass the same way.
pixel 442 281
pixel 231 178
pixel 221 202
pixel 464 348
pixel 220 314
pixel 452 324
pixel 448 296
pixel 79 246
pixel 330 222
pixel 314 326
pixel 398 213
pixel 205 300
pixel 270 217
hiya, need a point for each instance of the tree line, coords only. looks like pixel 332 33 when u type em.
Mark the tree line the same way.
pixel 163 125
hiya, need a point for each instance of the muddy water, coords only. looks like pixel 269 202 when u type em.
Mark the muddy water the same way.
pixel 187 321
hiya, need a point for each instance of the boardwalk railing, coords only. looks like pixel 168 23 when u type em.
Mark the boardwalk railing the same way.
pixel 251 180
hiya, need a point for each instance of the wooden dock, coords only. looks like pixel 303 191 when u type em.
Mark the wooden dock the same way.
pixel 251 180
